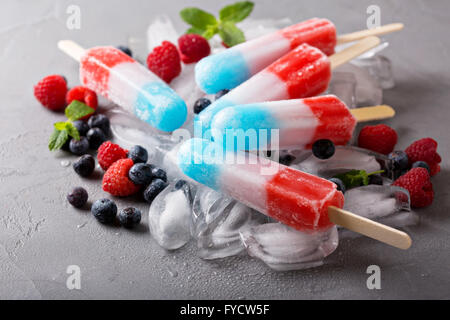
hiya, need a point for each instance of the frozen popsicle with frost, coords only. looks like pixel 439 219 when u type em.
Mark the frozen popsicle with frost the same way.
pixel 298 123
pixel 121 79
pixel 230 68
pixel 303 72
pixel 297 199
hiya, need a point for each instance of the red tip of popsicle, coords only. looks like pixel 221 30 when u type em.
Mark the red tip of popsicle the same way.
pixel 306 71
pixel 319 33
pixel 305 210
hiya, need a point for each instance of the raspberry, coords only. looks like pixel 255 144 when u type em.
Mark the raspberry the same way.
pixel 84 95
pixel 115 180
pixel 51 92
pixel 193 47
pixel 425 150
pixel 108 153
pixel 380 138
pixel 417 182
pixel 164 61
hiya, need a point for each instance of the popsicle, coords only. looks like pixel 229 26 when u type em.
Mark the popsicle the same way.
pixel 299 123
pixel 297 199
pixel 230 68
pixel 121 79
pixel 303 72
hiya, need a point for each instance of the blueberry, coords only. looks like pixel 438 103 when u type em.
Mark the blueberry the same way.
pixel 286 159
pixel 81 126
pixel 155 187
pixel 99 121
pixel 421 164
pixel 159 173
pixel 339 183
pixel 85 165
pixel 201 104
pixel 77 197
pixel 399 159
pixel 138 154
pixel 129 217
pixel 95 137
pixel 79 147
pixel 323 149
pixel 376 179
pixel 221 93
pixel 141 174
pixel 104 210
pixel 125 50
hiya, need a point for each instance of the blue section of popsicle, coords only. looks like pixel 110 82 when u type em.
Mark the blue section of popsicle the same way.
pixel 200 160
pixel 221 71
pixel 158 105
pixel 244 127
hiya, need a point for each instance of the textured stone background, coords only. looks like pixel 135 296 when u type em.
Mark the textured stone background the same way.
pixel 40 235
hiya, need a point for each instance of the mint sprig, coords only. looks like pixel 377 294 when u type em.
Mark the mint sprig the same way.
pixel 63 130
pixel 356 178
pixel 207 25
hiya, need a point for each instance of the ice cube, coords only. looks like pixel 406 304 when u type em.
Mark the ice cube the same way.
pixel 283 248
pixel 170 218
pixel 161 29
pixel 380 68
pixel 218 219
pixel 368 92
pixel 389 205
pixel 343 85
pixel 344 159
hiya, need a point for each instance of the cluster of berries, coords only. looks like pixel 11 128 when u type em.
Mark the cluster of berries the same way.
pixel 412 168
pixel 126 173
pixel 52 92
pixel 105 210
pixel 165 60
pixel 92 134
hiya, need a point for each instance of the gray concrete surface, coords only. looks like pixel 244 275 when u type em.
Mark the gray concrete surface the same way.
pixel 41 235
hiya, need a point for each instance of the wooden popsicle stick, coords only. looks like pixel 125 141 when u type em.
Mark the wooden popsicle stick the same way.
pixel 373 113
pixel 369 228
pixel 353 51
pixel 71 48
pixel 354 36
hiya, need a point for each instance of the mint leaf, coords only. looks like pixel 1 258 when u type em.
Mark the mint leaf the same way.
pixel 198 18
pixel 354 178
pixel 236 12
pixel 57 139
pixel 77 110
pixel 230 34
pixel 72 131
pixel 195 30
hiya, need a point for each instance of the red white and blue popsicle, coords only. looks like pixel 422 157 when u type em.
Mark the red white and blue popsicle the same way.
pixel 230 68
pixel 300 200
pixel 303 72
pixel 118 77
pixel 297 123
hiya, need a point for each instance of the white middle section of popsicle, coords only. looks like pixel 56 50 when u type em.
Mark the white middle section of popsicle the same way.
pixel 126 81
